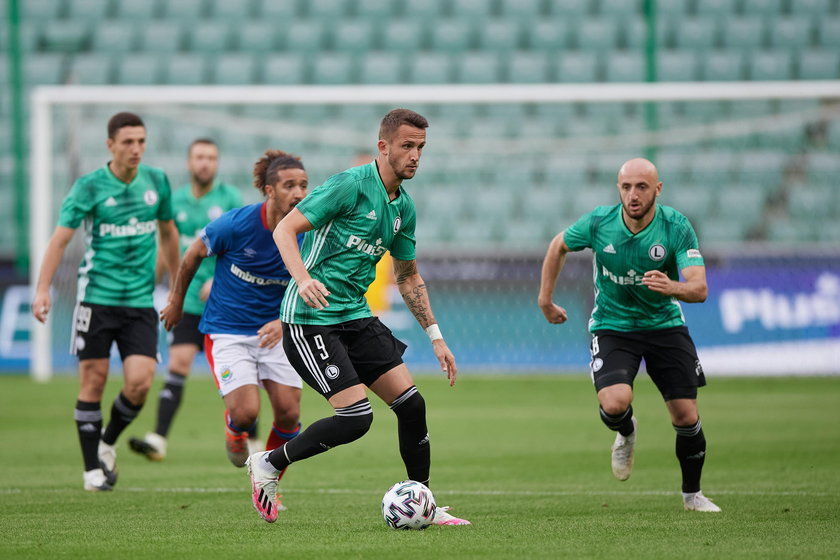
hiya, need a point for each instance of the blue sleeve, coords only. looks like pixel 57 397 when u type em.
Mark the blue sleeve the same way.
pixel 220 234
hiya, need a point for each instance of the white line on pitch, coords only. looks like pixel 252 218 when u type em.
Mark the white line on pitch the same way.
pixel 558 493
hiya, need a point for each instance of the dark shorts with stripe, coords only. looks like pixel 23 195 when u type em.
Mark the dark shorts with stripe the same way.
pixel 669 354
pixel 331 358
pixel 97 327
pixel 186 332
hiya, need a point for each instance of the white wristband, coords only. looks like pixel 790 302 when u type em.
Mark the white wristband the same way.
pixel 433 331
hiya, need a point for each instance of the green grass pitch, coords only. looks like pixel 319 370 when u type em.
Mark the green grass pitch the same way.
pixel 525 458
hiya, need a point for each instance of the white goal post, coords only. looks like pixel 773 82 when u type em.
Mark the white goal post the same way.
pixel 44 99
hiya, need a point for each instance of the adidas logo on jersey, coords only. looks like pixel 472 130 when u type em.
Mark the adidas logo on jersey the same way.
pixel 609 249
pixel 111 201
pixel 371 215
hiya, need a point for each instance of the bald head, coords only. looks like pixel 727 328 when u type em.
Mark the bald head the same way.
pixel 638 168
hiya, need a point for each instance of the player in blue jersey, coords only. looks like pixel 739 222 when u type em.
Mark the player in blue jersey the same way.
pixel 241 319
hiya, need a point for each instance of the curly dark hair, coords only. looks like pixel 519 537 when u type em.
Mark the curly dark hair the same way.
pixel 266 168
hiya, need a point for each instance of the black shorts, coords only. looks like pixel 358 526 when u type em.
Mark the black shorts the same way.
pixel 330 358
pixel 96 327
pixel 669 354
pixel 186 332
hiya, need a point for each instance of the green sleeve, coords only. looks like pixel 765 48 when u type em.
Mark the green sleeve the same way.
pixel 404 244
pixel 336 196
pixel 165 191
pixel 578 236
pixel 688 249
pixel 76 205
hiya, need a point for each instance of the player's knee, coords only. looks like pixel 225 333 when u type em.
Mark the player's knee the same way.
pixel 287 416
pixel 410 406
pixel 243 417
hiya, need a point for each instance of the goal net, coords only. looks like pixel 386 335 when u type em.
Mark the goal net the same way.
pixel 754 165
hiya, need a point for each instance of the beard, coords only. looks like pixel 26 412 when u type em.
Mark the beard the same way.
pixel 401 173
pixel 641 212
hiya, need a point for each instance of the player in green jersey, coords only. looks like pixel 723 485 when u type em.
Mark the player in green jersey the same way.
pixel 639 250
pixel 329 334
pixel 194 205
pixel 123 205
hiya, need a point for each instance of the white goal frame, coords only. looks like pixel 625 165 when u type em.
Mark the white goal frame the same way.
pixel 44 98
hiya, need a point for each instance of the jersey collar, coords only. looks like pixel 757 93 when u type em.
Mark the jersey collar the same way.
pixel 381 184
pixel 263 216
pixel 641 231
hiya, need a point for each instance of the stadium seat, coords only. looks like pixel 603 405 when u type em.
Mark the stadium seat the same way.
pixel 819 64
pixel 381 67
pixel 84 10
pixel 186 69
pixel 478 9
pixel 711 168
pixel 38 9
pixel 91 69
pixel 597 34
pixel 548 35
pixel 677 66
pixel 787 33
pixel 810 7
pixel 519 233
pixel 232 12
pixel 723 65
pixel 528 67
pixel 256 36
pixel 625 66
pixel 717 231
pixel 403 35
pixel 132 10
pixel 571 9
pixel 57 36
pixel 743 33
pixel 696 200
pixel 234 69
pixel 139 69
pixel 44 69
pixel 429 67
pixel 185 10
pixel 334 68
pixel 376 9
pixel 499 35
pixel 424 11
pixel 828 31
pixel 695 33
pixel 328 9
pixel 353 35
pixel 676 9
pixel 811 202
pixel 577 66
pixel 717 8
pixel 621 8
pixel 477 67
pixel 454 34
pixel 304 36
pixel 115 37
pixel 771 8
pixel 530 10
pixel 760 168
pixel 162 37
pixel 787 231
pixel 209 36
pixel 277 10
pixel 771 65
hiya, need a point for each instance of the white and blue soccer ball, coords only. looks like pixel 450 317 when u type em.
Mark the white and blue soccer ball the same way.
pixel 408 505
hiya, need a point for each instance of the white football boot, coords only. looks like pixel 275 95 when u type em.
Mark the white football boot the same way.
pixel 108 462
pixel 696 501
pixel 152 446
pixel 95 481
pixel 622 453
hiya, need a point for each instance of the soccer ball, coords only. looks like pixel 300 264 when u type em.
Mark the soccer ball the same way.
pixel 408 505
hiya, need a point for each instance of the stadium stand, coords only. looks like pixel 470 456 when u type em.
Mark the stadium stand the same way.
pixel 196 42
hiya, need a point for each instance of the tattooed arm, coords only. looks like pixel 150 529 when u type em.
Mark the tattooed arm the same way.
pixel 416 297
